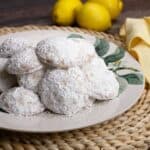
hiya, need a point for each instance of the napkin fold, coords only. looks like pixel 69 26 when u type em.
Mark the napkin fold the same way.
pixel 137 35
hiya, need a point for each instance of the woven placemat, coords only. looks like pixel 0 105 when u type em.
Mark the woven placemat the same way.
pixel 129 131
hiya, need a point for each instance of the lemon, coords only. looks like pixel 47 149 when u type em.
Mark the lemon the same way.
pixel 93 16
pixel 63 12
pixel 111 5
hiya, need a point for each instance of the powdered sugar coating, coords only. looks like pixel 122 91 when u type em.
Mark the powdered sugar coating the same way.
pixel 21 101
pixel 31 81
pixel 24 62
pixel 64 91
pixel 102 82
pixel 65 52
pixel 13 45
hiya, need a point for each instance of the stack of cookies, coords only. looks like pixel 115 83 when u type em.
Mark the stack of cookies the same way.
pixel 63 75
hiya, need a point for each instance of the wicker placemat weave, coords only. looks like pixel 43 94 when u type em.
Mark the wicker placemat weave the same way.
pixel 130 131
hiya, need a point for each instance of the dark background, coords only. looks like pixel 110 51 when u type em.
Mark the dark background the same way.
pixel 23 12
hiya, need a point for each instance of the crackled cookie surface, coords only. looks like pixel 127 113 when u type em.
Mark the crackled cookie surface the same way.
pixel 13 45
pixel 64 91
pixel 21 101
pixel 65 52
pixel 102 82
pixel 31 80
pixel 24 62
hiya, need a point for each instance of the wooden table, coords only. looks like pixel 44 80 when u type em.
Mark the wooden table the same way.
pixel 23 12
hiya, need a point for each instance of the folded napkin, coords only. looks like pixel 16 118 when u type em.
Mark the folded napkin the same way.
pixel 137 35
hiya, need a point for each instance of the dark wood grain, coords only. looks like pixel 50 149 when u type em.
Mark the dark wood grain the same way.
pixel 23 12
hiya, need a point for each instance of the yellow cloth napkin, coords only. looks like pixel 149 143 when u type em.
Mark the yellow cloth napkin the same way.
pixel 137 35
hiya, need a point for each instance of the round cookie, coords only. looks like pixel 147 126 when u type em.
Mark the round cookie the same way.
pixel 102 82
pixel 64 91
pixel 13 45
pixel 62 52
pixel 24 62
pixel 31 81
pixel 21 101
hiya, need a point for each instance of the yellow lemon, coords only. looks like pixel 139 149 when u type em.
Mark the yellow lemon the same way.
pixel 63 12
pixel 93 16
pixel 111 5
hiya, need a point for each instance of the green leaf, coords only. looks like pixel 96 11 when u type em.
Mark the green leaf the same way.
pixel 101 46
pixel 116 56
pixel 122 84
pixel 127 68
pixel 133 78
pixel 73 35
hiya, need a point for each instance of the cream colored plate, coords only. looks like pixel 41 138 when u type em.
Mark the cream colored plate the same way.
pixel 48 122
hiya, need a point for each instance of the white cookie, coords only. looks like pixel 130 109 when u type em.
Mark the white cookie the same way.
pixel 64 91
pixel 13 45
pixel 62 52
pixel 21 101
pixel 102 82
pixel 31 81
pixel 24 62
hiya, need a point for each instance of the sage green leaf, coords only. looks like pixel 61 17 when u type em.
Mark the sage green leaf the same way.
pixel 122 84
pixel 133 78
pixel 101 46
pixel 73 35
pixel 116 56
pixel 127 68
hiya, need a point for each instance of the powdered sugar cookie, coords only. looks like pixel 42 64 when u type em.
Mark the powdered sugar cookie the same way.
pixel 31 81
pixel 13 45
pixel 21 101
pixel 65 52
pixel 64 91
pixel 102 82
pixel 24 62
